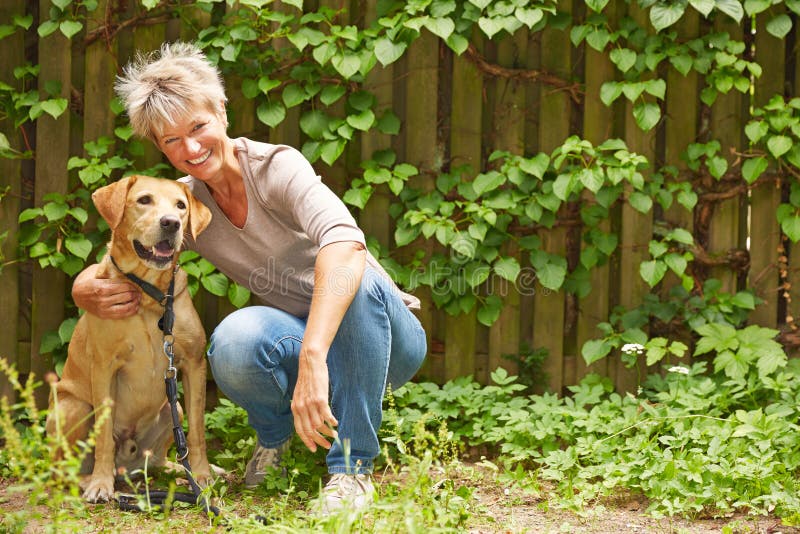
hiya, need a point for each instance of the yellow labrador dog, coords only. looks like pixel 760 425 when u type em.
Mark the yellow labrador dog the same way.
pixel 123 360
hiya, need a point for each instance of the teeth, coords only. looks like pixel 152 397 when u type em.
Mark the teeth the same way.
pixel 201 159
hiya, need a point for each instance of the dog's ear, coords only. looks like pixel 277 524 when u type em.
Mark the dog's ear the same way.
pixel 199 214
pixel 110 200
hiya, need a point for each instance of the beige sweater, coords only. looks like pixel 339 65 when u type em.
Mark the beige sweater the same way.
pixel 291 215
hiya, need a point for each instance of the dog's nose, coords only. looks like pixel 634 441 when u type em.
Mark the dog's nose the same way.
pixel 170 223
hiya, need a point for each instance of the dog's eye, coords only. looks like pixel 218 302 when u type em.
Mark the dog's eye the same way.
pixel 181 205
pixel 144 200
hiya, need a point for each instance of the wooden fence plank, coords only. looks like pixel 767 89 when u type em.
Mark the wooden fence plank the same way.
pixel 765 235
pixel 146 39
pixel 373 219
pixel 727 115
pixel 99 74
pixel 12 53
pixel 680 129
pixel 635 232
pixel 421 144
pixel 598 125
pixel 508 133
pixel 554 128
pixel 52 138
pixel 466 117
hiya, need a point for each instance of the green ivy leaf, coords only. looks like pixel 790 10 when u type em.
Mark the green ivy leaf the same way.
pixel 623 58
pixel 530 17
pixel 331 94
pixel 664 15
pixel 791 227
pixel 717 166
pixel 78 245
pixel 489 312
pixel 346 64
pixel 296 3
pixel 314 123
pixel 387 51
pixel 457 43
pixel 609 92
pixel 551 270
pixel 595 350
pixel 490 26
pixel 358 197
pixel 389 123
pixel 331 150
pixel 70 28
pixel 55 211
pixel 215 283
pixel 676 262
pixel 780 26
pixel 294 94
pixel 640 202
pixel 50 342
pixel 753 168
pixel 54 107
pixel 703 6
pixel 598 39
pixel 362 121
pixel 488 182
pixel 536 165
pixel 646 115
pixel 271 113
pixel 779 145
pixel 507 268
pixel 755 130
pixel 732 8
pixel 441 27
pixel 652 271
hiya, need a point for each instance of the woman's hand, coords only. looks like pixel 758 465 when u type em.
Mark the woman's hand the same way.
pixel 104 297
pixel 313 419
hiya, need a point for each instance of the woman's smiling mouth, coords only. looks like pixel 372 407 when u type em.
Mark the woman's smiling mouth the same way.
pixel 201 159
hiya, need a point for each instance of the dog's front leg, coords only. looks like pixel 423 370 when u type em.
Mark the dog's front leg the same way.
pixel 100 484
pixel 194 385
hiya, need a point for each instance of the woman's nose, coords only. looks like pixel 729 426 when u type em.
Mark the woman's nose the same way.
pixel 192 145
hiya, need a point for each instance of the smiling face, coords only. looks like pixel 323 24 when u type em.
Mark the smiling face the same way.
pixel 198 145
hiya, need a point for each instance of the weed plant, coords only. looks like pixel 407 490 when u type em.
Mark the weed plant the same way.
pixel 713 436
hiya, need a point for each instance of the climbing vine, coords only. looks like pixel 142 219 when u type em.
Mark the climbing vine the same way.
pixel 485 223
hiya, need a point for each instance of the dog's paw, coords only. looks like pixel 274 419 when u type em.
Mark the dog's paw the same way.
pixel 98 489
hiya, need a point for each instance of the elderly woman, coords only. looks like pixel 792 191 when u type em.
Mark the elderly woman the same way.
pixel 331 329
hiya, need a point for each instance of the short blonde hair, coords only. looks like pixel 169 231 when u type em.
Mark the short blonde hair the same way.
pixel 167 85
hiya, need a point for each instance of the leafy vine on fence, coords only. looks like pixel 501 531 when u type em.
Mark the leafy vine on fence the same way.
pixel 485 222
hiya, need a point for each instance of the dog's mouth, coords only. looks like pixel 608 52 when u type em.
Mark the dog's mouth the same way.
pixel 159 254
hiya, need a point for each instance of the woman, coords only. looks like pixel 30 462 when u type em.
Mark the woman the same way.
pixel 330 318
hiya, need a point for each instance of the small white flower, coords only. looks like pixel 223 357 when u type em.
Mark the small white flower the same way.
pixel 679 369
pixel 632 348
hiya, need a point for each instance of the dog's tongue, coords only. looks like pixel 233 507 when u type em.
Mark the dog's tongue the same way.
pixel 163 248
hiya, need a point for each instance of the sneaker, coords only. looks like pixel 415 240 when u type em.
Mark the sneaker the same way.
pixel 352 492
pixel 263 458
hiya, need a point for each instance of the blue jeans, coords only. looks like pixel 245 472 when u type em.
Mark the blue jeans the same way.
pixel 254 352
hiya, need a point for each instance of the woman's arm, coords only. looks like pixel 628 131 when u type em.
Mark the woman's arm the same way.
pixel 337 276
pixel 104 297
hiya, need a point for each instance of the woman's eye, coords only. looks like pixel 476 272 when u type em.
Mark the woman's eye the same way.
pixel 181 205
pixel 198 126
pixel 170 140
pixel 144 200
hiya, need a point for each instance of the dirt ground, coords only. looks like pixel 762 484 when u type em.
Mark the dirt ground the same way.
pixel 494 510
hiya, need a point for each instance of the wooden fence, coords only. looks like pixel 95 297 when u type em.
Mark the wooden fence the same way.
pixel 454 109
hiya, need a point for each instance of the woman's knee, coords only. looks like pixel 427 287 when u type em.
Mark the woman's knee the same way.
pixel 251 342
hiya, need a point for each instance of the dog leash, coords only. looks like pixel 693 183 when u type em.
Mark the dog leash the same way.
pixel 129 502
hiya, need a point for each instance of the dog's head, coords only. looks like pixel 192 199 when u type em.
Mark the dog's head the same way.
pixel 151 214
